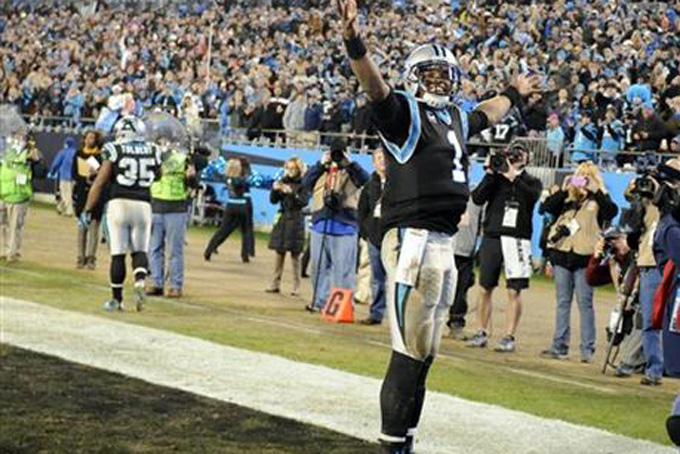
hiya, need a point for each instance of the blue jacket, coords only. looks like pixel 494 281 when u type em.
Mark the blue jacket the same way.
pixel 613 137
pixel 585 140
pixel 63 162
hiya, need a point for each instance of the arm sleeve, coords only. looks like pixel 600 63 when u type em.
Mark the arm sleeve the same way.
pixel 313 174
pixel 274 196
pixel 482 193
pixel 608 208
pixel 397 119
pixel 477 122
pixel 530 186
pixel 363 208
pixel 57 162
pixel 357 174
pixel 390 115
pixel 554 203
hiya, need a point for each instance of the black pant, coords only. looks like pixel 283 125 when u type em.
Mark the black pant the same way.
pixel 235 215
pixel 250 230
pixel 466 279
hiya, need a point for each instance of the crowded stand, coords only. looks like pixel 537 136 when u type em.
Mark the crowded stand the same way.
pixel 611 78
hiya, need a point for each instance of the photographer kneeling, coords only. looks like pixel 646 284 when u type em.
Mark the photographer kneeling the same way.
pixel 334 183
pixel 614 262
pixel 581 208
pixel 510 195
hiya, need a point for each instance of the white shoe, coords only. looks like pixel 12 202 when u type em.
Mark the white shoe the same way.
pixel 139 297
pixel 113 305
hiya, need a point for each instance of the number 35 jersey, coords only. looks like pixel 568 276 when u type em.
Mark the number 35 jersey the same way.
pixel 135 166
pixel 427 163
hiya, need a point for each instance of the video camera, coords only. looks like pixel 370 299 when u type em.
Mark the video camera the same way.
pixel 499 160
pixel 667 195
pixel 609 249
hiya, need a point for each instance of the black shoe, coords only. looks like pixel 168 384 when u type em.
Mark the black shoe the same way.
pixel 310 308
pixel 304 276
pixel 647 380
pixel 272 290
pixel 206 256
pixel 245 259
pixel 370 321
pixel 154 291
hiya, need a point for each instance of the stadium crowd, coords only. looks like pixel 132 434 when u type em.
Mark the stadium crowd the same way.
pixel 611 68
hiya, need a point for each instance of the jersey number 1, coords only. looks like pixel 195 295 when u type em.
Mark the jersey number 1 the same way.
pixel 135 171
pixel 458 173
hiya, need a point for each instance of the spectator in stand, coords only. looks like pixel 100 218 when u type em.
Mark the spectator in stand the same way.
pixel 61 170
pixel 294 116
pixel 288 234
pixel 582 208
pixel 611 137
pixel 536 113
pixel 272 117
pixel 649 130
pixel 85 167
pixel 555 140
pixel 672 124
pixel 585 140
pixel 314 112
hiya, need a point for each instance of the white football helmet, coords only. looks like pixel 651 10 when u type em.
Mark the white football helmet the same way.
pixel 428 56
pixel 129 127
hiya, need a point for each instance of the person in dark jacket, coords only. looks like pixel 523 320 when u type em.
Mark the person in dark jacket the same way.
pixel 235 213
pixel 649 131
pixel 582 208
pixel 84 170
pixel 369 221
pixel 510 198
pixel 288 234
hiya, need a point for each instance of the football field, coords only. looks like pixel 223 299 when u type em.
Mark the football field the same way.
pixel 227 311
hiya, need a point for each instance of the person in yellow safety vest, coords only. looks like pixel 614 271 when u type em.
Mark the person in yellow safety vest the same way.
pixel 19 165
pixel 170 203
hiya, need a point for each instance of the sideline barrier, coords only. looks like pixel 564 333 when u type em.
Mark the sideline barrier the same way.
pixel 268 160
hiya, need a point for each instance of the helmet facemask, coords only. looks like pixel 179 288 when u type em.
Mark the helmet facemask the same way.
pixel 434 83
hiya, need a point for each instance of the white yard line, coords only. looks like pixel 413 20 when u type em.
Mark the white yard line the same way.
pixel 338 400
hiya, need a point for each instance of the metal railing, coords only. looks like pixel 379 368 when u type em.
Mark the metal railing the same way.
pixel 542 157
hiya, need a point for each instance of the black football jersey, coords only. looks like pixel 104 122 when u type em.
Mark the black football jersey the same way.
pixel 135 166
pixel 504 131
pixel 427 164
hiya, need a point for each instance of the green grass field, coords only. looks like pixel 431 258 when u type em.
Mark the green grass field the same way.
pixel 225 303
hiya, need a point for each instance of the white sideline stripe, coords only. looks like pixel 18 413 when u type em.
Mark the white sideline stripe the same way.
pixel 340 401
pixel 311 330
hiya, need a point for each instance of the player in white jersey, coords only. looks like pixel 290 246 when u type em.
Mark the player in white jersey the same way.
pixel 130 166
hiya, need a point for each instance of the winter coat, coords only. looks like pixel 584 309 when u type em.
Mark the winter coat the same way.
pixel 288 234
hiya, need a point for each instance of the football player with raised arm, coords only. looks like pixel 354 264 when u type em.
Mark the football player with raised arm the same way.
pixel 426 192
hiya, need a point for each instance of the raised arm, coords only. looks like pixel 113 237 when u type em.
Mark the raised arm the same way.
pixel 362 65
pixel 498 107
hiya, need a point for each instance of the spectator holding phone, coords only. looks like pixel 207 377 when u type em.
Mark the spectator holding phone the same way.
pixel 582 208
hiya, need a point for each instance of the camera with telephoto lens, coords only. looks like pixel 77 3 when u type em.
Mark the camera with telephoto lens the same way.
pixel 561 233
pixel 337 156
pixel 645 185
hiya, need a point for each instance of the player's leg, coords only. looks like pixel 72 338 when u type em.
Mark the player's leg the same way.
pixel 400 387
pixel 140 233
pixel 119 238
pixel 436 284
